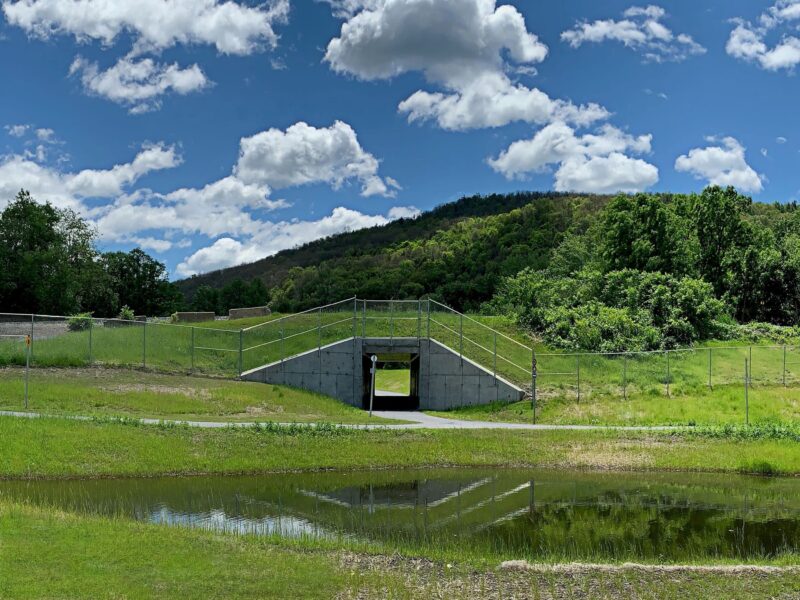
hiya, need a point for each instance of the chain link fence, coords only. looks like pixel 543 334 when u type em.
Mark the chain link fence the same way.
pixel 206 349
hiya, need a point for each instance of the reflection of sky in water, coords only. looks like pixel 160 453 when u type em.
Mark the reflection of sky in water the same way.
pixel 218 520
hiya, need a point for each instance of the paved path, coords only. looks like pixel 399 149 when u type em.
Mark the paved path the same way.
pixel 418 420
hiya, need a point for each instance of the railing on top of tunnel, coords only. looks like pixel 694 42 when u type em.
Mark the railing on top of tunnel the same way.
pixel 287 336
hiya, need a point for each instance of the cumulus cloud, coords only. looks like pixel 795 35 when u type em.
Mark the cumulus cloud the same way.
pixel 152 25
pixel 68 190
pixel 722 164
pixel 16 130
pixel 231 27
pixel 587 163
pixel 467 47
pixel 304 154
pixel 138 84
pixel 747 41
pixel 640 29
pixel 273 237
pixel 230 210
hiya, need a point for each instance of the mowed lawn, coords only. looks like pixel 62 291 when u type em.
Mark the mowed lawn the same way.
pixel 140 394
pixel 397 381
pixel 723 405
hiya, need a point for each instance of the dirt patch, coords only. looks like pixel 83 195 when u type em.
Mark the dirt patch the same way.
pixel 423 578
pixel 621 454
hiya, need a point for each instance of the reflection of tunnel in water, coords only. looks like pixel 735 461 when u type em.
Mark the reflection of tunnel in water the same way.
pixel 509 512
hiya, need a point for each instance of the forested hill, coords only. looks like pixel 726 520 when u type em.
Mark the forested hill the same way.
pixel 374 262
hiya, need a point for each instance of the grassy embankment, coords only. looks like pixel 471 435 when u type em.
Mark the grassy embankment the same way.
pixel 64 448
pixel 396 381
pixel 49 553
pixel 126 393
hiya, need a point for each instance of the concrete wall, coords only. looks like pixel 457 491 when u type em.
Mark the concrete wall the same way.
pixel 194 317
pixel 333 370
pixel 446 380
pixel 246 313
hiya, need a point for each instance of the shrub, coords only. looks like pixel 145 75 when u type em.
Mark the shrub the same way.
pixel 126 313
pixel 80 322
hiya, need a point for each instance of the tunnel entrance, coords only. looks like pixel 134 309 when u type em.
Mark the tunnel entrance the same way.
pixel 396 382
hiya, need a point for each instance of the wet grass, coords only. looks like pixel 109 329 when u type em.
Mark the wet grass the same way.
pixel 136 394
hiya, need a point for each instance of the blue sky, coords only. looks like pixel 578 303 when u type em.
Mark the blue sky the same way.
pixel 215 133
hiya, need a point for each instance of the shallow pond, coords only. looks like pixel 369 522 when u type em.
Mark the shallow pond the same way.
pixel 509 513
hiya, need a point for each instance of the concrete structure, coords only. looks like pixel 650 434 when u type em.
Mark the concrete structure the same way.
pixel 194 317
pixel 246 313
pixel 440 377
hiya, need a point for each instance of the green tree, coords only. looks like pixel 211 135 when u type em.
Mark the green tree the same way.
pixel 206 299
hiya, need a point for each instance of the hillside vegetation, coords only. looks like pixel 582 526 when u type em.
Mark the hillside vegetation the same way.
pixel 637 272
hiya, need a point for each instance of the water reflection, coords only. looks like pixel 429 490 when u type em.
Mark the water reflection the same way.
pixel 510 512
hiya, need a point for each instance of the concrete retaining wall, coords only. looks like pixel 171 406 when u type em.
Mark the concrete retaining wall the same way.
pixel 246 313
pixel 194 317
pixel 446 380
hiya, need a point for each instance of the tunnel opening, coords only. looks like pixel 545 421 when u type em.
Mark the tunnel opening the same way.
pixel 396 381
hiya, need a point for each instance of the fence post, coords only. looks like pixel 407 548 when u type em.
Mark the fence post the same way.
pixel 746 396
pixel 144 344
pixel 192 348
pixel 241 352
pixel 429 318
pixel 91 326
pixel 625 376
pixel 419 319
pixel 364 319
pixel 578 371
pixel 355 317
pixel 31 346
pixel 495 355
pixel 533 386
pixel 784 365
pixel 711 387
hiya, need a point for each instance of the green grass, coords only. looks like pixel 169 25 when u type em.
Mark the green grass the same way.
pixel 720 406
pixel 135 394
pixel 393 380
pixel 65 448
pixel 50 553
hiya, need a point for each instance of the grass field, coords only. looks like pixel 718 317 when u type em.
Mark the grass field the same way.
pixel 56 448
pixel 720 406
pixel 49 553
pixel 396 381
pixel 127 393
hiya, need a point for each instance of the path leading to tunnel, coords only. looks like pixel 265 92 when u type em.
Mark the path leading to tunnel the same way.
pixel 415 420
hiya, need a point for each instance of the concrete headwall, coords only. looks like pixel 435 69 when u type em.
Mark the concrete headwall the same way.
pixel 194 317
pixel 446 380
pixel 246 313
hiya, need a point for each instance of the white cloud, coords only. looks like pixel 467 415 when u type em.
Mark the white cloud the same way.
pixel 492 100
pixel 45 134
pixel 642 30
pixel 138 84
pixel 781 140
pixel 68 190
pixel 589 163
pixel 17 130
pixel 152 25
pixel 304 154
pixel 468 47
pixel 747 40
pixel 272 237
pixel 231 27
pixel 723 164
